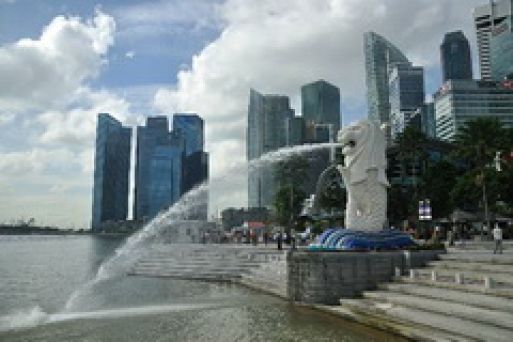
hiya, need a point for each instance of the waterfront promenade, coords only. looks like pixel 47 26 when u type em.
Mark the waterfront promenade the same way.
pixel 465 295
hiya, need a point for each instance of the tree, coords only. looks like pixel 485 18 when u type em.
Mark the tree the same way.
pixel 437 182
pixel 477 142
pixel 411 155
pixel 290 176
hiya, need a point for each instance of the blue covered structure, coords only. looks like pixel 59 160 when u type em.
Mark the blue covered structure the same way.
pixel 346 239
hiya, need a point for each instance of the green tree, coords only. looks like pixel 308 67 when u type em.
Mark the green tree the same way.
pixel 412 157
pixel 477 142
pixel 438 180
pixel 290 176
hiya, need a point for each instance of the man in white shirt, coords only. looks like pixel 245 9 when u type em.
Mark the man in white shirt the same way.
pixel 497 237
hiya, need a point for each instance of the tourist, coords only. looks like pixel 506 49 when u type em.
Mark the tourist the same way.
pixel 278 240
pixel 497 237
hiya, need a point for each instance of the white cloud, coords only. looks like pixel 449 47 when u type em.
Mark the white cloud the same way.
pixel 130 54
pixel 277 46
pixel 6 118
pixel 47 71
pixel 44 82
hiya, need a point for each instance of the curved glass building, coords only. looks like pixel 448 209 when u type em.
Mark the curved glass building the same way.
pixel 380 56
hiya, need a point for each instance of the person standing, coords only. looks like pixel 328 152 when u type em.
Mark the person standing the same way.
pixel 497 237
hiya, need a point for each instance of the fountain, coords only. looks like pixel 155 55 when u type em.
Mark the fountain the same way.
pixel 137 245
pixel 363 172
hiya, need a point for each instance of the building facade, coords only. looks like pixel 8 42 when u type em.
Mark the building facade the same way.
pixel 486 19
pixel 191 127
pixel 320 104
pixel 501 46
pixel 455 57
pixel 380 54
pixel 158 169
pixel 267 116
pixel 111 171
pixel 459 101
pixel 406 94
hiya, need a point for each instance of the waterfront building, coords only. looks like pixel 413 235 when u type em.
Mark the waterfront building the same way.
pixel 294 130
pixel 158 169
pixel 486 19
pixel 267 116
pixel 380 54
pixel 501 46
pixel 320 104
pixel 424 120
pixel 455 57
pixel 406 94
pixel 111 171
pixel 191 127
pixel 458 101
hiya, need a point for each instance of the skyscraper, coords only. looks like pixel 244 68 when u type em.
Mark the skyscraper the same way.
pixel 267 115
pixel 320 104
pixel 458 101
pixel 406 94
pixel 486 19
pixel 111 171
pixel 455 57
pixel 190 126
pixel 501 46
pixel 195 160
pixel 380 54
pixel 158 170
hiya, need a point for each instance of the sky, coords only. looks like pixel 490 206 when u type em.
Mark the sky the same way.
pixel 64 61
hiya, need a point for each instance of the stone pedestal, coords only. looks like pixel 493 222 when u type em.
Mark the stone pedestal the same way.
pixel 325 277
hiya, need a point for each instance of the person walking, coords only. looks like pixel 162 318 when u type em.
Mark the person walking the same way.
pixel 497 237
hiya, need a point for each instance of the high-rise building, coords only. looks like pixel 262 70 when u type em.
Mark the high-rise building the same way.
pixel 455 57
pixel 406 94
pixel 111 171
pixel 190 126
pixel 486 19
pixel 380 54
pixel 501 46
pixel 267 115
pixel 458 101
pixel 320 104
pixel 158 169
pixel 195 160
pixel 294 131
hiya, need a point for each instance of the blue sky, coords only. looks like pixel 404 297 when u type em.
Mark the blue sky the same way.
pixel 61 62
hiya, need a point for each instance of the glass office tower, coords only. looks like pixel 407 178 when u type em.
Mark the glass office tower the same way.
pixel 111 171
pixel 267 116
pixel 406 94
pixel 502 50
pixel 158 169
pixel 455 57
pixel 320 104
pixel 380 54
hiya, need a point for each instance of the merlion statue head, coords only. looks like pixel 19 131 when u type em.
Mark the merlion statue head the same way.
pixel 364 146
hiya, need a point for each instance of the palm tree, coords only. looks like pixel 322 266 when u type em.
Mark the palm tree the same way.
pixel 477 143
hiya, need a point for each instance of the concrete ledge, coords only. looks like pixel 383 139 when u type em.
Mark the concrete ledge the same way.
pixel 325 277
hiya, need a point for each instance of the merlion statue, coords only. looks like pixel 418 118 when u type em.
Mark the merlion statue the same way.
pixel 363 146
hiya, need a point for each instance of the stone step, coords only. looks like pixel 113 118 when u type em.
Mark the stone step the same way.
pixel 218 276
pixel 472 288
pixel 199 270
pixel 497 318
pixel 472 266
pixel 196 263
pixel 469 276
pixel 480 257
pixel 464 297
pixel 450 328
